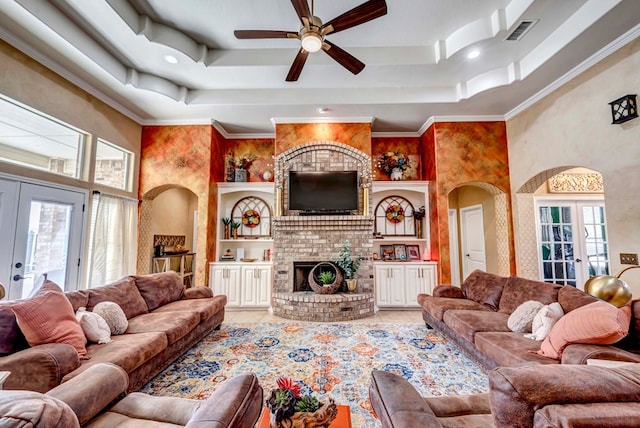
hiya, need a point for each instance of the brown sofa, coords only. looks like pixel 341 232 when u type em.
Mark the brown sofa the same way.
pixel 164 320
pixel 475 315
pixel 527 396
pixel 87 400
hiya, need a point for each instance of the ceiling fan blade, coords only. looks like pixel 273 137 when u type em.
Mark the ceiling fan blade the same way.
pixel 302 9
pixel 367 11
pixel 264 34
pixel 296 67
pixel 343 57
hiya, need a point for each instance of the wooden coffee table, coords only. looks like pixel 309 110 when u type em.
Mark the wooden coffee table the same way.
pixel 343 420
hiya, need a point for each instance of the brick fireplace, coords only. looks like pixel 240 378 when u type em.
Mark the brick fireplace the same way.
pixel 315 239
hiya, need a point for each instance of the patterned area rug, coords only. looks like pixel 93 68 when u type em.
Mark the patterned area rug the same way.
pixel 332 360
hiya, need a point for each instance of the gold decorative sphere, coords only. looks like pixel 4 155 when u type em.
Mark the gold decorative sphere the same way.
pixel 609 288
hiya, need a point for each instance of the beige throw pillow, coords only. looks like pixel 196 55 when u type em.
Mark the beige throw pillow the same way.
pixel 94 326
pixel 521 319
pixel 113 315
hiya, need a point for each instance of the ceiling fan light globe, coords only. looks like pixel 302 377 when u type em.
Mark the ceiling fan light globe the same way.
pixel 311 42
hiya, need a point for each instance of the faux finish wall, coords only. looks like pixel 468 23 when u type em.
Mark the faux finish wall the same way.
pixel 572 127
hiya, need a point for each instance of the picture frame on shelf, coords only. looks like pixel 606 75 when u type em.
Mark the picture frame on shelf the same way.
pixel 413 253
pixel 400 251
pixel 387 252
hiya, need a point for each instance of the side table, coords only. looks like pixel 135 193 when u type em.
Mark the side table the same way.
pixel 342 420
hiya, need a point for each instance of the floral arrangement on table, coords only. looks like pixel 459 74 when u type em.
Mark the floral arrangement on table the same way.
pixel 348 264
pixel 289 408
pixel 389 161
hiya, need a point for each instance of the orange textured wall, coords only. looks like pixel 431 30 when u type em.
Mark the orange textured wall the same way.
pixel 289 135
pixel 180 156
pixel 466 152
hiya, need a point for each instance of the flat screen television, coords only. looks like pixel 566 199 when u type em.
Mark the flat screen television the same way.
pixel 323 191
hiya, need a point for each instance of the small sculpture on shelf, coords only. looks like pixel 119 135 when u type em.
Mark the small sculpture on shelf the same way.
pixel 418 215
pixel 226 222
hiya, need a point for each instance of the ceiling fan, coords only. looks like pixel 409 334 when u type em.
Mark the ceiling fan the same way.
pixel 313 31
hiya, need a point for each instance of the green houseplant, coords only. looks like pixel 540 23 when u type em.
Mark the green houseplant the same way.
pixel 348 264
pixel 226 221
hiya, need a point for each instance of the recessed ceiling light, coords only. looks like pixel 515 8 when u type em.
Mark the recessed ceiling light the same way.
pixel 171 59
pixel 323 109
pixel 473 54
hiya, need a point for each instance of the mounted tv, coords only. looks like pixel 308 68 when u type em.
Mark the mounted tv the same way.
pixel 323 192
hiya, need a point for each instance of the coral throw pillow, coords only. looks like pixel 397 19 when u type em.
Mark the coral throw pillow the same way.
pixel 597 323
pixel 48 317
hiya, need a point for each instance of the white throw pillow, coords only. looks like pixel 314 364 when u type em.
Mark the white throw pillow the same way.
pixel 521 319
pixel 113 315
pixel 94 326
pixel 544 320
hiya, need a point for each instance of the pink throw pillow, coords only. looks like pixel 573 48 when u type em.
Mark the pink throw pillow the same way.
pixel 48 317
pixel 597 323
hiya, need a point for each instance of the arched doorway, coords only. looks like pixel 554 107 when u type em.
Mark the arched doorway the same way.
pixel 166 210
pixel 560 226
pixel 496 235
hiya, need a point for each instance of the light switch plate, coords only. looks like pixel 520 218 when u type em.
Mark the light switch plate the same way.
pixel 628 259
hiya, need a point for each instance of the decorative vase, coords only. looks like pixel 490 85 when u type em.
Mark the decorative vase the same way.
pixel 229 173
pixel 235 233
pixel 241 174
pixel 227 230
pixel 396 174
pixel 351 285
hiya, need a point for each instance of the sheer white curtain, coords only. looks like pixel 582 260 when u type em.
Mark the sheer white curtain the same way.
pixel 114 239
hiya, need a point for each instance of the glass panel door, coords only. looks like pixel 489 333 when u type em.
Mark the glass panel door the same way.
pixel 48 238
pixel 573 241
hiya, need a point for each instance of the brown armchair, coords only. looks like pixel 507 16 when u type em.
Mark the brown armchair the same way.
pixel 93 399
pixel 526 396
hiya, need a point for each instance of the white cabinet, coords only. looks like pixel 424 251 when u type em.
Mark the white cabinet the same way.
pixel 398 284
pixel 246 285
pixel 225 279
pixel 256 286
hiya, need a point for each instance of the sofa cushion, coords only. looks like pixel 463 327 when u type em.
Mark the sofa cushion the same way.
pixel 48 317
pixel 518 290
pixel 596 323
pixel 468 323
pixel 95 328
pixel 483 287
pixel 571 298
pixel 11 337
pixel 509 349
pixel 78 298
pixel 437 306
pixel 207 308
pixel 521 319
pixel 158 289
pixel 35 410
pixel 123 292
pixel 174 324
pixel 128 351
pixel 113 315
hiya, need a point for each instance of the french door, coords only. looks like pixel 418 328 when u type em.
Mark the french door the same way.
pixel 41 231
pixel 572 238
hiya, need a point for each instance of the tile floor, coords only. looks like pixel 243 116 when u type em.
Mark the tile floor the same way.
pixel 391 316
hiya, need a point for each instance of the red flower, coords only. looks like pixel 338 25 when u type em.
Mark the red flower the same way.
pixel 287 383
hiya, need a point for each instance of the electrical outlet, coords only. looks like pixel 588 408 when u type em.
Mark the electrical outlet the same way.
pixel 628 259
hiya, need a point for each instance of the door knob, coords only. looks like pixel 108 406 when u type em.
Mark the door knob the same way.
pixel 578 260
pixel 467 255
pixel 18 265
pixel 18 277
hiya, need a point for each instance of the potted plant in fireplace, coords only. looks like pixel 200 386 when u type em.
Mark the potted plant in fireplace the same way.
pixel 349 265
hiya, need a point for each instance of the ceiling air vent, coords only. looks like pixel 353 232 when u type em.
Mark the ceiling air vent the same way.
pixel 522 29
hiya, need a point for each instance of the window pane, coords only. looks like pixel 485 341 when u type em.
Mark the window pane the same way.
pixel 113 165
pixel 34 140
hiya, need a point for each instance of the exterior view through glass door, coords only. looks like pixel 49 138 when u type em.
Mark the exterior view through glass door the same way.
pixel 46 238
pixel 573 241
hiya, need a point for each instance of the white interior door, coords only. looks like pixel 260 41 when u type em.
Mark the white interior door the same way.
pixel 454 249
pixel 47 237
pixel 9 191
pixel 472 240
